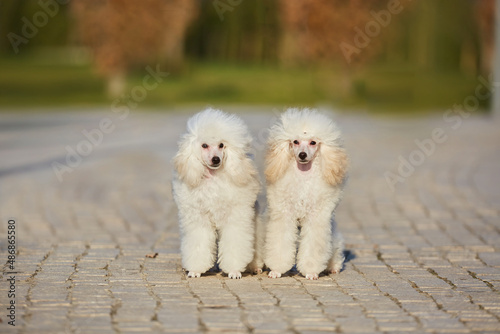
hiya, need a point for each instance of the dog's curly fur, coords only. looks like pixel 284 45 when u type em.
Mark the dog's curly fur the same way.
pixel 305 171
pixel 215 188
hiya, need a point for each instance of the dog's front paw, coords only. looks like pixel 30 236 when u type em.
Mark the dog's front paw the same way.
pixel 193 274
pixel 312 276
pixel 274 274
pixel 234 274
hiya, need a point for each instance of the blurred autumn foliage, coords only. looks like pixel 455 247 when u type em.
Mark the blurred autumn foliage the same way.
pixel 484 13
pixel 342 35
pixel 430 34
pixel 123 34
pixel 314 30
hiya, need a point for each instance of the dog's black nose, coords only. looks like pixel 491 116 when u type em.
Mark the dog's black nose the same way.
pixel 302 155
pixel 216 160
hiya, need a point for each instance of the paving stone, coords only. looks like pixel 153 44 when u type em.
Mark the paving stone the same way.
pixel 424 257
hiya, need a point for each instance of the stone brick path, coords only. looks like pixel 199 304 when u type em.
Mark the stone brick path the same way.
pixel 423 249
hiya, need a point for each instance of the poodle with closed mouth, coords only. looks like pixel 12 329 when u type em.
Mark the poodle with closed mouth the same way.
pixel 215 187
pixel 305 172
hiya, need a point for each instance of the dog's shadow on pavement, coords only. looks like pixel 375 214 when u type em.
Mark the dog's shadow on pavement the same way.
pixel 349 255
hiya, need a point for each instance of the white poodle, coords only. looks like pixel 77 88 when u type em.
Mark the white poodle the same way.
pixel 215 188
pixel 305 171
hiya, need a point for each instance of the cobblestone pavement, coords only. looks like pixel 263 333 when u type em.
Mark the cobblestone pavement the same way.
pixel 423 257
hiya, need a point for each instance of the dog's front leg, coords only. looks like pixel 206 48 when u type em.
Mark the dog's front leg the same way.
pixel 315 245
pixel 280 248
pixel 336 262
pixel 236 243
pixel 198 244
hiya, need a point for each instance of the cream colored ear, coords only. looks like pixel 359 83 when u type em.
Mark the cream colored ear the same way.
pixel 334 164
pixel 188 167
pixel 240 167
pixel 277 161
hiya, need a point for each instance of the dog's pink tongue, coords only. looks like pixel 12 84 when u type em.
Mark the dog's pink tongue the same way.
pixel 304 167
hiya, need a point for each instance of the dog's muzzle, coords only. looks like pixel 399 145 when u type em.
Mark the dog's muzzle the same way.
pixel 303 158
pixel 216 163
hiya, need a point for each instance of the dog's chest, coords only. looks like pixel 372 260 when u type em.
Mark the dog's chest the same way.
pixel 214 199
pixel 306 200
pixel 302 198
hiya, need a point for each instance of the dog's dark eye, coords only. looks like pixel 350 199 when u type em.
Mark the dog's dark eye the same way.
pixel 312 143
pixel 221 145
pixel 204 145
pixel 296 142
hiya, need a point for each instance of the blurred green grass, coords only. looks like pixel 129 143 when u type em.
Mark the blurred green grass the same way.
pixel 27 82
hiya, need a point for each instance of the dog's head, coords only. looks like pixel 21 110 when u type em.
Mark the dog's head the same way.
pixel 304 151
pixel 300 137
pixel 215 142
pixel 212 154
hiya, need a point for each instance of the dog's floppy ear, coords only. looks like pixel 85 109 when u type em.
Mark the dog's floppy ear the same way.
pixel 277 160
pixel 189 168
pixel 239 166
pixel 334 164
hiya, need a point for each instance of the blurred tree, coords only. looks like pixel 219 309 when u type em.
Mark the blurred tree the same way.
pixel 424 36
pixel 124 34
pixel 451 36
pixel 329 32
pixel 10 14
pixel 235 30
pixel 16 14
pixel 485 17
pixel 496 67
pixel 444 36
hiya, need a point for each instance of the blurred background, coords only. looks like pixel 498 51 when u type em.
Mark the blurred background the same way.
pixel 390 56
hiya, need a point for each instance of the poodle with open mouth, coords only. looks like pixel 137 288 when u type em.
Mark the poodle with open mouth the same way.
pixel 215 188
pixel 305 171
